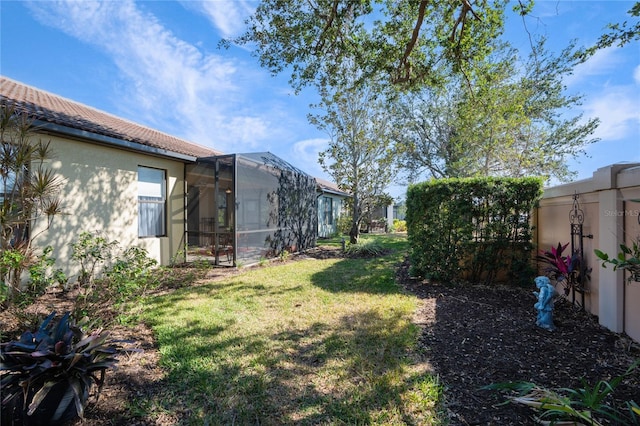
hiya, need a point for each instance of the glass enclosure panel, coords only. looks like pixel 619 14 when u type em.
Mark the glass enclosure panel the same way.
pixel 245 207
pixel 210 210
pixel 276 207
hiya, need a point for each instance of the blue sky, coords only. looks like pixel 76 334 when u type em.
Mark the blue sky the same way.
pixel 157 63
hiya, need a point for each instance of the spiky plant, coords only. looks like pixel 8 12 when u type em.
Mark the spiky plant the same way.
pixel 48 374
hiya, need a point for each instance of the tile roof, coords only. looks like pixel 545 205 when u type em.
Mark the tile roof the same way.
pixel 54 109
pixel 327 186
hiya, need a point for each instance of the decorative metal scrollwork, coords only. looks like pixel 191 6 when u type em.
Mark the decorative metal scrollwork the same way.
pixel 576 215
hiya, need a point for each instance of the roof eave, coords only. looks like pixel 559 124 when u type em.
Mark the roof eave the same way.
pixel 110 141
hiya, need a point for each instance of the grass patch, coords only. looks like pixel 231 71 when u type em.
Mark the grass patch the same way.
pixel 307 342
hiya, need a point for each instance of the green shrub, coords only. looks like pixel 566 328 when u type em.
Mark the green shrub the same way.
pixel 13 262
pixel 131 274
pixel 476 229
pixel 628 259
pixel 344 224
pixel 40 274
pixel 91 251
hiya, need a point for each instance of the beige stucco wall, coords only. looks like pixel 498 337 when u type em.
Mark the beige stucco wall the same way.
pixel 554 227
pixel 631 215
pixel 100 193
pixel 611 216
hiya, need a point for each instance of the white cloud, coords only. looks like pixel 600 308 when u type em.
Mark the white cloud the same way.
pixel 636 75
pixel 164 79
pixel 618 109
pixel 227 16
pixel 603 62
pixel 306 154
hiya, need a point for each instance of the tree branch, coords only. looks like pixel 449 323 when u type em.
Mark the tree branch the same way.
pixel 405 65
pixel 334 11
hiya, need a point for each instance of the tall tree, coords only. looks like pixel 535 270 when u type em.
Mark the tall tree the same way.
pixel 359 157
pixel 503 120
pixel 403 40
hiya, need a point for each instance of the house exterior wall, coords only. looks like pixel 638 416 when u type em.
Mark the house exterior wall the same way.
pixel 611 217
pixel 100 195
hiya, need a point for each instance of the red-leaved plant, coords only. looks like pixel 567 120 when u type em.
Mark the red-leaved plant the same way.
pixel 564 269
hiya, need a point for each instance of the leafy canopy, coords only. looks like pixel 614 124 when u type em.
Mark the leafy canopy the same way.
pixel 404 41
pixel 508 117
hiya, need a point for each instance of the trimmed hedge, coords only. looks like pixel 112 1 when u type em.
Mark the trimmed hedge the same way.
pixel 474 229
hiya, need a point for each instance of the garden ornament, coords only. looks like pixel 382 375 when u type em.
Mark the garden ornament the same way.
pixel 545 302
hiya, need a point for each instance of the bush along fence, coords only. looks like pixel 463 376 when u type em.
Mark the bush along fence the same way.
pixel 474 229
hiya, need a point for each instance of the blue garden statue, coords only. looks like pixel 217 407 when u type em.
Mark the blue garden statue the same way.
pixel 545 302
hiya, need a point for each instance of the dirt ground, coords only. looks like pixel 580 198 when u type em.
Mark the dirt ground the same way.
pixel 472 336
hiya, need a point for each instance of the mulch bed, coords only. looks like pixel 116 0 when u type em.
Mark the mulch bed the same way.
pixel 478 335
pixel 472 336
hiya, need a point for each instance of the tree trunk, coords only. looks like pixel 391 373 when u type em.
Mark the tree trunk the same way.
pixel 353 233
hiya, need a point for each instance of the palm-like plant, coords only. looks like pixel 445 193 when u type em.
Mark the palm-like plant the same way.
pixel 48 374
pixel 29 194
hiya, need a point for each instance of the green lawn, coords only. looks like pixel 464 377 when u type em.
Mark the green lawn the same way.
pixel 305 342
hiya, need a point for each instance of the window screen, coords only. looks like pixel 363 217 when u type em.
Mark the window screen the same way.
pixel 152 202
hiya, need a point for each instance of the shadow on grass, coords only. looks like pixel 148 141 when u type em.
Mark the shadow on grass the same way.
pixel 354 372
pixel 358 367
pixel 365 275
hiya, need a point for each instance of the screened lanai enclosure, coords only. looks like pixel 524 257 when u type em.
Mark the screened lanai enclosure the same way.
pixel 242 208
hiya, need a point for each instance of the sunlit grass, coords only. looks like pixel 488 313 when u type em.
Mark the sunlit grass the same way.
pixel 308 342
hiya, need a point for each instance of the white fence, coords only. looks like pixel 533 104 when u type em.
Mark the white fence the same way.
pixel 610 207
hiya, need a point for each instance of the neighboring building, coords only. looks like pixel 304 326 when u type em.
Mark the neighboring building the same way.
pixel 331 204
pixel 142 187
pixel 380 219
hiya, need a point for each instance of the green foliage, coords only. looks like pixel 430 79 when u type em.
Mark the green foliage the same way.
pixel 344 224
pixel 58 364
pixel 359 157
pixel 131 273
pixel 402 41
pixel 13 262
pixel 474 228
pixel 586 405
pixel 123 276
pixel 5 292
pixel 29 199
pixel 628 259
pixel 91 251
pixel 399 225
pixel 619 34
pixel 366 248
pixel 508 116
pixel 40 274
pixel 284 255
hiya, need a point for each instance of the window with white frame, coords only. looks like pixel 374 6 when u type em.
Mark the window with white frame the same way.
pixel 152 201
pixel 328 210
